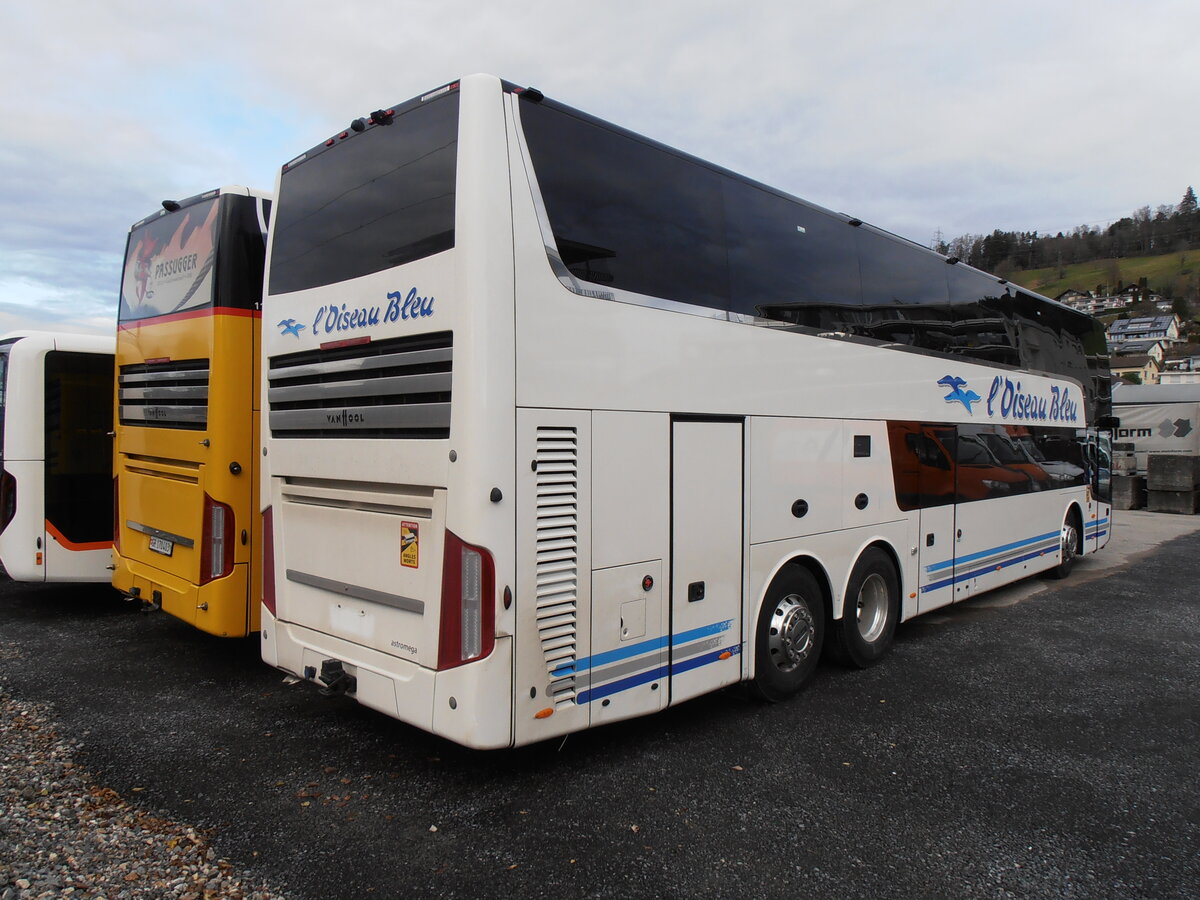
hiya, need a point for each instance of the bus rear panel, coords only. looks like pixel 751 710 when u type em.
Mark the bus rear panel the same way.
pixel 186 462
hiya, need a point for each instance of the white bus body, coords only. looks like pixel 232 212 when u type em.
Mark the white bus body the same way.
pixel 572 503
pixel 56 486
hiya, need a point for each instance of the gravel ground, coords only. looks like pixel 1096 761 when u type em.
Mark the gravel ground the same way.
pixel 63 835
pixel 1039 742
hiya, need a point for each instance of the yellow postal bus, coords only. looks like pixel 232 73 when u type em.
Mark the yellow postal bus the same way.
pixel 185 525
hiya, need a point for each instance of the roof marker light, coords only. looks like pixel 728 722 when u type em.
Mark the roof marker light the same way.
pixel 343 135
pixel 329 143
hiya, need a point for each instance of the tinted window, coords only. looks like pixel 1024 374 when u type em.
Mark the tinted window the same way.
pixel 169 263
pixel 988 461
pixel 79 403
pixel 628 213
pixel 896 273
pixel 787 260
pixel 377 199
pixel 922 464
pixel 240 254
pixel 625 213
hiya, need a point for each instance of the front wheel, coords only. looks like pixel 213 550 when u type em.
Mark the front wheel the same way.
pixel 1069 540
pixel 863 635
pixel 790 634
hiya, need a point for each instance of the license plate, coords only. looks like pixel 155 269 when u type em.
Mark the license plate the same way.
pixel 161 545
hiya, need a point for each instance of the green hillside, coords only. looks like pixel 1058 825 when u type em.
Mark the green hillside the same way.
pixel 1173 275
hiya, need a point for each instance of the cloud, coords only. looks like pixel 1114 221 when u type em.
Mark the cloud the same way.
pixel 963 116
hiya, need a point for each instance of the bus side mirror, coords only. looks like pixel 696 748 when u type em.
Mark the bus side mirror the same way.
pixel 1108 423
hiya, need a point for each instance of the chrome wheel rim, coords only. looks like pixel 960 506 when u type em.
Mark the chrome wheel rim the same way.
pixel 1070 540
pixel 791 635
pixel 871 608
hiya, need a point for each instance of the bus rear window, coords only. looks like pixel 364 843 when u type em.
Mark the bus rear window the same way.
pixel 169 263
pixel 378 199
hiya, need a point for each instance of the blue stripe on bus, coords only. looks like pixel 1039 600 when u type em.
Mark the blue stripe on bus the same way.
pixel 609 656
pixel 623 684
pixel 988 568
pixel 970 557
pixel 632 681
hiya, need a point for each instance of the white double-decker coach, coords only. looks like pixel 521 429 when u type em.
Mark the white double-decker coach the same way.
pixel 567 427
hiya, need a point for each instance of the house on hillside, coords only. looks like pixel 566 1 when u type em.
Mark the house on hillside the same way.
pixel 1165 328
pixel 1145 368
pixel 1156 348
pixel 1182 366
pixel 1086 301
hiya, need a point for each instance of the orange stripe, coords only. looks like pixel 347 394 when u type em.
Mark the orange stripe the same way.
pixel 190 314
pixel 71 545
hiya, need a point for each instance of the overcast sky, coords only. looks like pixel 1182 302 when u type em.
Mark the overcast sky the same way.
pixel 915 116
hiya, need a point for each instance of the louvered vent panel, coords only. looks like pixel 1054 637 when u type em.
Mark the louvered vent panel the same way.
pixel 558 556
pixel 171 394
pixel 397 388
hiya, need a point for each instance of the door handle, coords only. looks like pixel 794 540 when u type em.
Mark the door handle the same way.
pixel 959 534
pixel 695 591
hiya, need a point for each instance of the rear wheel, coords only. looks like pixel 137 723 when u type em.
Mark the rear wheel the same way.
pixel 1070 543
pixel 863 635
pixel 790 633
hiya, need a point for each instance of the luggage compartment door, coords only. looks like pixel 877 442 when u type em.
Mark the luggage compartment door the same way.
pixel 707 533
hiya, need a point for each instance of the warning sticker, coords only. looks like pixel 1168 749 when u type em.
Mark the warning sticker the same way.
pixel 410 544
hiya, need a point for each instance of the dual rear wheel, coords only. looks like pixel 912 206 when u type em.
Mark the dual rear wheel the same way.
pixel 791 632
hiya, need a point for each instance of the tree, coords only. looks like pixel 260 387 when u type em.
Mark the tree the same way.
pixel 1187 206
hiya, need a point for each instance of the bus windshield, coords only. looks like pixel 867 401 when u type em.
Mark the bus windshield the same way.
pixel 380 198
pixel 169 263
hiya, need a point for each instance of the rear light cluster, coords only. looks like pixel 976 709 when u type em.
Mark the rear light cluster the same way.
pixel 468 620
pixel 268 566
pixel 216 543
pixel 8 499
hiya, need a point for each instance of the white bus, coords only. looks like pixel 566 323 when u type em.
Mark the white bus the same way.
pixel 565 426
pixel 56 488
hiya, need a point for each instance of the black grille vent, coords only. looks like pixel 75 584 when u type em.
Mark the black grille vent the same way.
pixel 164 394
pixel 397 388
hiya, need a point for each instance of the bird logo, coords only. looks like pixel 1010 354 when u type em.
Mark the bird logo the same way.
pixel 956 385
pixel 290 326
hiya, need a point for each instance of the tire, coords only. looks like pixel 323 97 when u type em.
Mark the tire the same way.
pixel 789 635
pixel 863 635
pixel 1070 544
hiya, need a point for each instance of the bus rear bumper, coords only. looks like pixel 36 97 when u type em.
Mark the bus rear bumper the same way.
pixel 470 705
pixel 220 607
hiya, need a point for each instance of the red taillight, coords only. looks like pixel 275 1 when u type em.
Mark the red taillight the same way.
pixel 116 516
pixel 468 623
pixel 268 566
pixel 8 499
pixel 216 543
